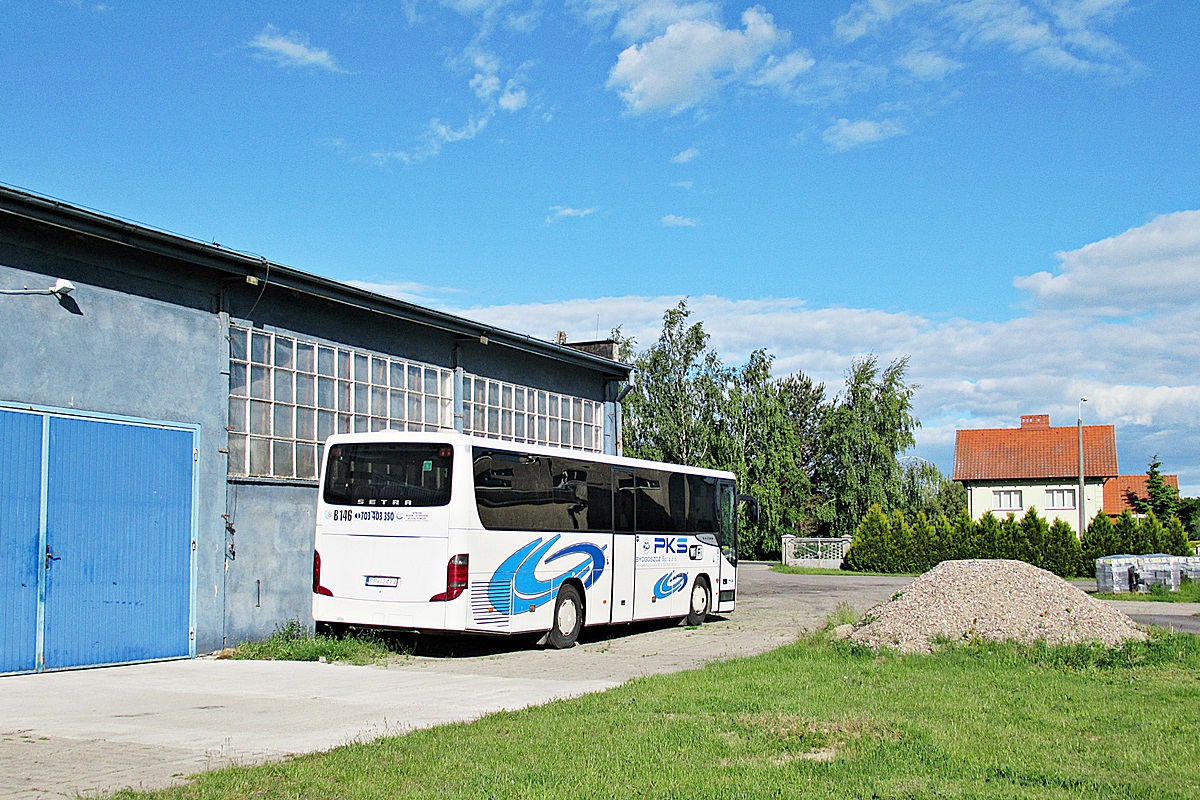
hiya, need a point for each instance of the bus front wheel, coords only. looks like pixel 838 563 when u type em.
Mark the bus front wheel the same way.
pixel 701 602
pixel 568 618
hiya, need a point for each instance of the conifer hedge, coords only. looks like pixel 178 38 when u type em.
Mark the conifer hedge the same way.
pixel 898 543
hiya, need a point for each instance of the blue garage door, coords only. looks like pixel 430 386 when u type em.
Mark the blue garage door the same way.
pixel 111 543
pixel 20 512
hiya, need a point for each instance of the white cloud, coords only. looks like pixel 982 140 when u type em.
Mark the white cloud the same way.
pixel 689 62
pixel 1153 266
pixel 476 7
pixel 868 16
pixel 1138 371
pixel 673 221
pixel 636 20
pixel 928 65
pixel 687 155
pixel 291 50
pixel 437 134
pixel 846 135
pixel 682 184
pixel 783 72
pixel 558 213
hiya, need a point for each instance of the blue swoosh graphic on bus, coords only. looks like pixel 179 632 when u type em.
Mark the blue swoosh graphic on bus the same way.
pixel 594 554
pixel 669 584
pixel 524 590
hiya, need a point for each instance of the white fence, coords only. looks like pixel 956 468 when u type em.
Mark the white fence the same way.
pixel 820 553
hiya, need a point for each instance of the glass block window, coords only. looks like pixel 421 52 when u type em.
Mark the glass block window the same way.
pixel 287 395
pixel 515 413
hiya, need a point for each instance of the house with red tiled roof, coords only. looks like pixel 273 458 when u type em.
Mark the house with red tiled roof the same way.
pixel 1010 470
pixel 1121 491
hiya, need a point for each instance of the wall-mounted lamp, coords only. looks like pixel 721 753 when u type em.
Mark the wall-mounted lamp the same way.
pixel 60 289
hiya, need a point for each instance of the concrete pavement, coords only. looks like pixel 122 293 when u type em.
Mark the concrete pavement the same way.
pixel 150 725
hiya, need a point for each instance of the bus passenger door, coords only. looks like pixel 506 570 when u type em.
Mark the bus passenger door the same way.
pixel 725 593
pixel 624 555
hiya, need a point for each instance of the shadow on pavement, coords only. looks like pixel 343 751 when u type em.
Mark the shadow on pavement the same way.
pixel 450 646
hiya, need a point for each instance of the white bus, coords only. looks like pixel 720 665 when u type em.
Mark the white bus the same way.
pixel 447 532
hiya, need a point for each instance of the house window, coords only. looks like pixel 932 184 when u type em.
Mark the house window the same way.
pixel 516 413
pixel 1060 499
pixel 1007 500
pixel 287 395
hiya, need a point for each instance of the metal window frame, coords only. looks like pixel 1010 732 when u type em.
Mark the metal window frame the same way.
pixel 352 391
pixel 586 437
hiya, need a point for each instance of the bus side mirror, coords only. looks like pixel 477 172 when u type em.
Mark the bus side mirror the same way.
pixel 751 507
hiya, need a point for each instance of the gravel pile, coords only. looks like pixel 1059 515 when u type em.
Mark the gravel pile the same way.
pixel 994 600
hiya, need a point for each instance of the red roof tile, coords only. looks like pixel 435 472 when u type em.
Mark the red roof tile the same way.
pixel 1120 491
pixel 1032 453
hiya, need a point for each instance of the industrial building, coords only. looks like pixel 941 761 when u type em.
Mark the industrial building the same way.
pixel 162 407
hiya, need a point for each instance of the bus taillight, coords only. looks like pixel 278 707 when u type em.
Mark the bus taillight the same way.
pixel 317 587
pixel 456 578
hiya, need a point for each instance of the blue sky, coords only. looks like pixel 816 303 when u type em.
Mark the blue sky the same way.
pixel 1007 191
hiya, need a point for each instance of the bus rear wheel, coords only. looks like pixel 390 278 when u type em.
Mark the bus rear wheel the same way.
pixel 700 603
pixel 568 618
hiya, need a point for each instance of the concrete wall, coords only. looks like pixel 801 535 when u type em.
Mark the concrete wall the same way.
pixel 1034 495
pixel 269 574
pixel 144 336
pixel 109 352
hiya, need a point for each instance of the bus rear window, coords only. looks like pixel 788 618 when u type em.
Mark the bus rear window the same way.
pixel 389 474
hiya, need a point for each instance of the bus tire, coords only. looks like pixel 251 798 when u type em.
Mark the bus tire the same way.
pixel 700 603
pixel 568 618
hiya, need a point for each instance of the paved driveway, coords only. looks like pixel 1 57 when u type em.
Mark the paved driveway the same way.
pixel 148 725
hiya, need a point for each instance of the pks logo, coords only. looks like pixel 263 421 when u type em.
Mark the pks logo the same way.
pixel 669 584
pixel 671 544
pixel 515 588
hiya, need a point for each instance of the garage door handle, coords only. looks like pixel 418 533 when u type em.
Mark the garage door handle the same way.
pixel 51 557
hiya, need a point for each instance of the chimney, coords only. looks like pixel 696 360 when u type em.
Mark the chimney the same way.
pixel 1035 421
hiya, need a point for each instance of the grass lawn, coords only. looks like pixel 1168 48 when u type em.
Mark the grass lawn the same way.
pixel 814 720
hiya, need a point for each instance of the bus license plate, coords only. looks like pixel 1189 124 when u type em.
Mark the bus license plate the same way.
pixel 385 581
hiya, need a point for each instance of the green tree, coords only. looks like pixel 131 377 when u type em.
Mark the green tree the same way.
pixel 687 407
pixel 674 412
pixel 902 557
pixel 1189 515
pixel 872 545
pixel 1031 535
pixel 1174 540
pixel 991 537
pixel 763 443
pixel 1062 554
pixel 870 423
pixel 925 488
pixel 1150 534
pixel 1125 531
pixel 924 544
pixel 1161 499
pixel 1098 541
pixel 944 539
pixel 967 540
pixel 1008 540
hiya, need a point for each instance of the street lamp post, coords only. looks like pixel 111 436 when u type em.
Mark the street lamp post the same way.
pixel 1082 513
